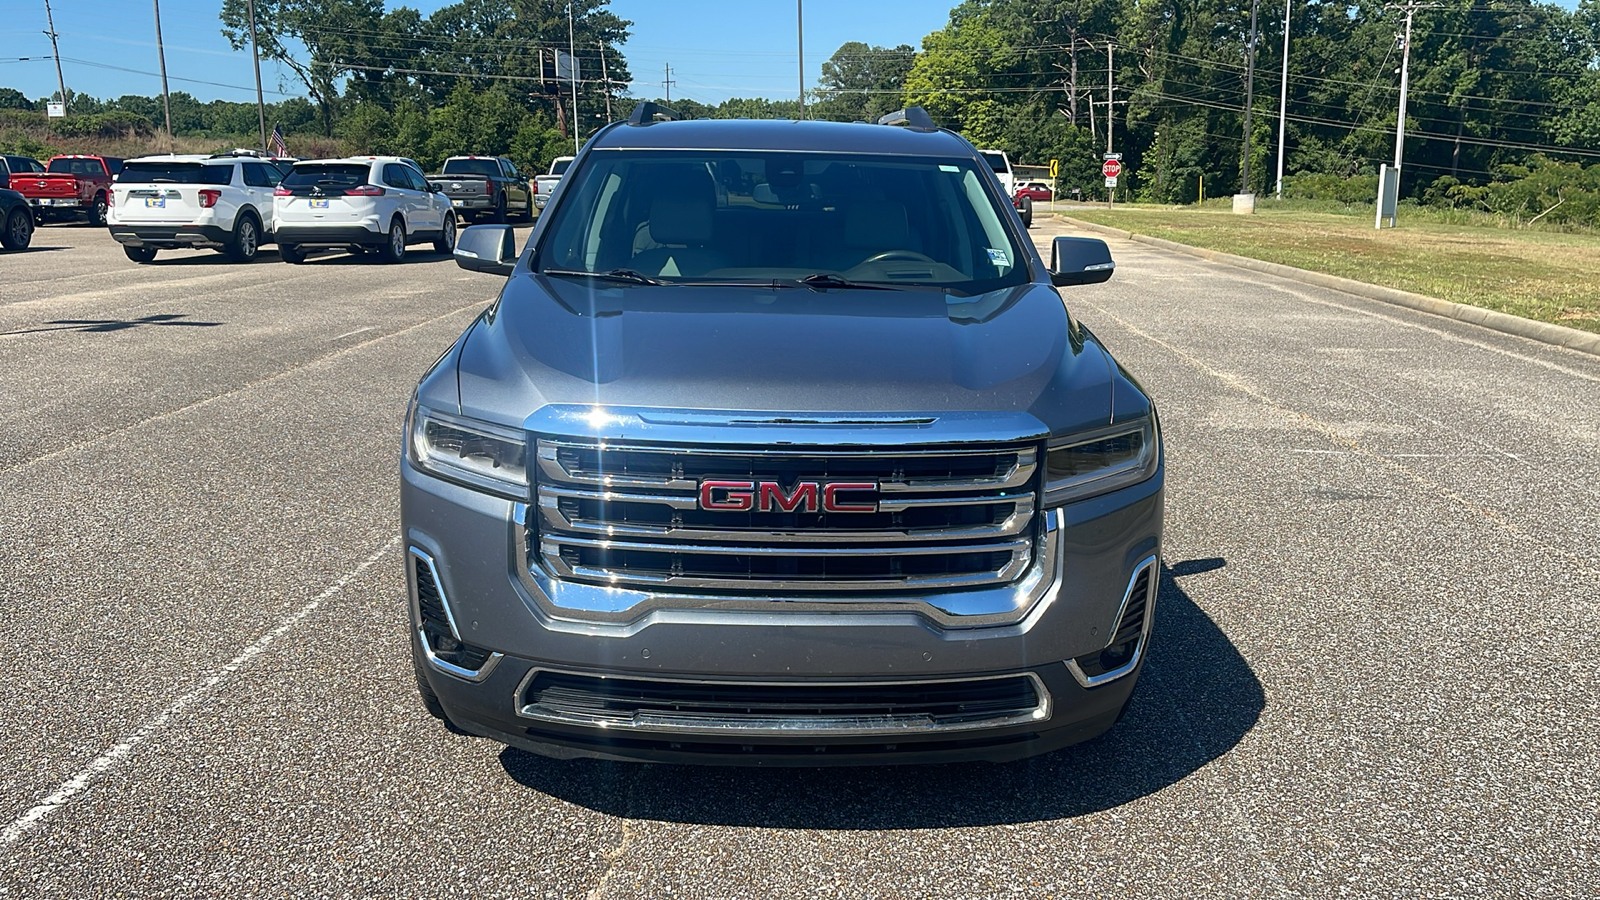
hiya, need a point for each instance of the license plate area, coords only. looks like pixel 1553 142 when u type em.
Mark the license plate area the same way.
pixel 319 204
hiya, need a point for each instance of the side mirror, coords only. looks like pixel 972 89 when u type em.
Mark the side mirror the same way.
pixel 1076 260
pixel 487 248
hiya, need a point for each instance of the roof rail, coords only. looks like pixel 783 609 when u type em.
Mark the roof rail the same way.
pixel 647 112
pixel 911 117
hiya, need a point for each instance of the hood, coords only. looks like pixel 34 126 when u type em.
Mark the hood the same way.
pixel 566 342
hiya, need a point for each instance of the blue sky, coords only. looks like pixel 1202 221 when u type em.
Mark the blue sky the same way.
pixel 717 48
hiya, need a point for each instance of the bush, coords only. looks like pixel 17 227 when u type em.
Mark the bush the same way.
pixel 1351 191
pixel 105 126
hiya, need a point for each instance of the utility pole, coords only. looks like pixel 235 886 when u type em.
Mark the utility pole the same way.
pixel 1111 116
pixel 1249 98
pixel 57 51
pixel 572 47
pixel 604 78
pixel 1283 97
pixel 1405 82
pixel 668 82
pixel 800 41
pixel 255 53
pixel 166 96
pixel 1072 81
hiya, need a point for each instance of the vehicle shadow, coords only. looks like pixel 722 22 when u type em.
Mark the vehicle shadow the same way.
pixel 98 326
pixel 1196 699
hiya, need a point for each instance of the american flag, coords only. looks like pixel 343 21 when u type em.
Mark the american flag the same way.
pixel 279 148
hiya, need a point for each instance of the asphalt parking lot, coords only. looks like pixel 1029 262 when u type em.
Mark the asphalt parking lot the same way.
pixel 1376 670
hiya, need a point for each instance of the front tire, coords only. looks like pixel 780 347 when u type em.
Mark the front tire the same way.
pixel 19 230
pixel 394 249
pixel 97 212
pixel 446 243
pixel 246 242
pixel 291 253
pixel 139 254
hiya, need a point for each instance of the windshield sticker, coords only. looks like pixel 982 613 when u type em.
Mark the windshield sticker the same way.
pixel 999 257
pixel 943 168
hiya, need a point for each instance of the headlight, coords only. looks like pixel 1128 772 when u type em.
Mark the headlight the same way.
pixel 478 454
pixel 1084 465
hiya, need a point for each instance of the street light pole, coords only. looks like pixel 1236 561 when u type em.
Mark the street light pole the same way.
pixel 572 47
pixel 1283 97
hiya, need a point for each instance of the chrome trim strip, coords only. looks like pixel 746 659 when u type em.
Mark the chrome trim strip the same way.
pixel 1150 566
pixel 727 550
pixel 612 606
pixel 448 668
pixel 775 726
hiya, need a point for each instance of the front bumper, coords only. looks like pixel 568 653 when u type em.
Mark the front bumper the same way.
pixel 171 235
pixel 475 551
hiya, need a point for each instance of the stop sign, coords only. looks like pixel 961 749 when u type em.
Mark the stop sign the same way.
pixel 1112 168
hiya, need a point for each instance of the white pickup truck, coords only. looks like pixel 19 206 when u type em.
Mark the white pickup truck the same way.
pixel 545 185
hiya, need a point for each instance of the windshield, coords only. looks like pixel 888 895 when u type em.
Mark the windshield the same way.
pixel 335 175
pixel 174 173
pixel 471 167
pixel 779 217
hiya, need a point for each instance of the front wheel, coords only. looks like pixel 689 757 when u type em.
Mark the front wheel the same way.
pixel 19 230
pixel 447 236
pixel 291 253
pixel 246 240
pixel 97 212
pixel 394 249
pixel 139 254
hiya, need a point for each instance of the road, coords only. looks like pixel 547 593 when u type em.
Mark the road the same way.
pixel 1376 670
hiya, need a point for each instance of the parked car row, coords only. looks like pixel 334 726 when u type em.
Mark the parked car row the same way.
pixel 238 202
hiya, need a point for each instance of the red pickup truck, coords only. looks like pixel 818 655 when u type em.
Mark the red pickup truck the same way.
pixel 70 186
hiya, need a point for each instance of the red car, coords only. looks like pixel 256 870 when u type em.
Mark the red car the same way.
pixel 70 186
pixel 1035 191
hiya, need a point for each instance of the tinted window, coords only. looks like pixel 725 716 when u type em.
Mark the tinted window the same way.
pixel 472 167
pixel 261 175
pixel 559 167
pixel 746 216
pixel 395 175
pixel 174 173
pixel 327 175
pixel 996 161
pixel 113 165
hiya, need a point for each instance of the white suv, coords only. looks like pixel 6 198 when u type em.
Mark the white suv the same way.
pixel 170 202
pixel 379 203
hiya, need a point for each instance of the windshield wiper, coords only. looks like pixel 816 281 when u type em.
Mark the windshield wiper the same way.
pixel 830 280
pixel 625 275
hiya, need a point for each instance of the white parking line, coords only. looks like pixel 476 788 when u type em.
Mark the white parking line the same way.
pixel 118 752
pixel 354 333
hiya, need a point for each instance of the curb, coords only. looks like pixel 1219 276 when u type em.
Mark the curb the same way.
pixel 1544 332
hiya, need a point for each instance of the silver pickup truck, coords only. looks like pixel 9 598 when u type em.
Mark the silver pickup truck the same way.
pixel 545 185
pixel 780 446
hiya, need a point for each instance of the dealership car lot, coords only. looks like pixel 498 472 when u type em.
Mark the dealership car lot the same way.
pixel 1375 670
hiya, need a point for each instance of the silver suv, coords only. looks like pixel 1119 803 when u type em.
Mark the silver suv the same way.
pixel 780 446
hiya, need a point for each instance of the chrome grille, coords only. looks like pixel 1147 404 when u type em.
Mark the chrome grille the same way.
pixel 631 514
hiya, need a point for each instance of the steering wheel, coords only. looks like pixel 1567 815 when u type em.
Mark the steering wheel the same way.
pixel 898 254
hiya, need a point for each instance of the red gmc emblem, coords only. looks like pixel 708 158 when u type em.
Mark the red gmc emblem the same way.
pixel 769 496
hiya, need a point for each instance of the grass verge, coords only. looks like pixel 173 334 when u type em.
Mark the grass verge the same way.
pixel 1543 275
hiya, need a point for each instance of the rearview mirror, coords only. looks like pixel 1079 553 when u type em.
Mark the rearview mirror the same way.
pixel 1078 260
pixel 487 248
